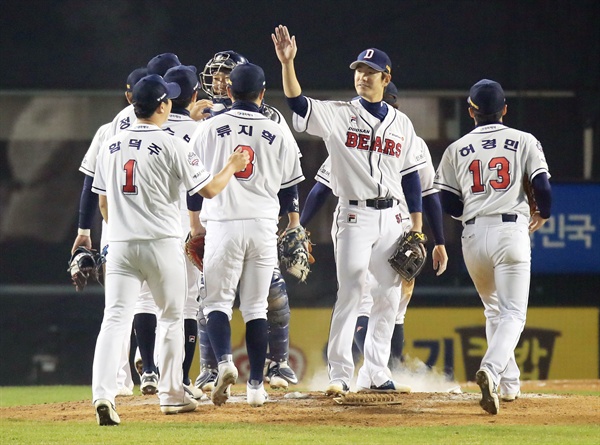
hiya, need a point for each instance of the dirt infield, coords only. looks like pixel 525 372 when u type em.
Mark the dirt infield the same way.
pixel 542 403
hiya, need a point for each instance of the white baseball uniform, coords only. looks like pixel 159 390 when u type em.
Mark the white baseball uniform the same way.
pixel 368 159
pixel 140 172
pixel 485 168
pixel 241 222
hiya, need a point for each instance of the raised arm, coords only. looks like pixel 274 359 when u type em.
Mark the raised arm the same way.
pixel 285 47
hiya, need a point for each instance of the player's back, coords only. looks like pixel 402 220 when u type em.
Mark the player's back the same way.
pixel 489 164
pixel 183 127
pixel 142 185
pixel 274 164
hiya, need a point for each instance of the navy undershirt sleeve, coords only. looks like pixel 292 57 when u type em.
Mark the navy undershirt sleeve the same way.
pixel 543 194
pixel 88 204
pixel 411 184
pixel 433 212
pixel 314 201
pixel 298 105
pixel 288 200
pixel 194 202
pixel 451 203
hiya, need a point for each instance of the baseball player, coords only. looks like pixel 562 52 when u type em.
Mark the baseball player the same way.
pixel 481 181
pixel 278 371
pixel 432 209
pixel 145 310
pixel 139 172
pixel 241 226
pixel 374 165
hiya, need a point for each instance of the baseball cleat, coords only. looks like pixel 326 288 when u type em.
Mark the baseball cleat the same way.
pixel 388 387
pixel 280 374
pixel 489 395
pixel 188 406
pixel 149 384
pixel 192 391
pixel 510 397
pixel 206 379
pixel 255 393
pixel 106 415
pixel 228 375
pixel 337 388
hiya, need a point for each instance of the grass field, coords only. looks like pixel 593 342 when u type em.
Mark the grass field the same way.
pixel 65 428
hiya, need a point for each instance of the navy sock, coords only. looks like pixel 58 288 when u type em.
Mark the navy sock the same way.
pixel 256 345
pixel 219 333
pixel 145 335
pixel 360 332
pixel 397 345
pixel 190 329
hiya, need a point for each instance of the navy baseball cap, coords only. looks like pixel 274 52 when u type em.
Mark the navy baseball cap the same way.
pixel 247 78
pixel 390 94
pixel 153 89
pixel 161 63
pixel 186 76
pixel 135 76
pixel 375 58
pixel 486 97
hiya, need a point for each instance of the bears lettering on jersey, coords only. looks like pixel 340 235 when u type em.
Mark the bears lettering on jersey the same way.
pixel 362 141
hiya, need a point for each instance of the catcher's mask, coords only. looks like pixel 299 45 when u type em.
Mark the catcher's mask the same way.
pixel 221 63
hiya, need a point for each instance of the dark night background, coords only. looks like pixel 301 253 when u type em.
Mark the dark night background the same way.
pixel 537 45
pixel 531 47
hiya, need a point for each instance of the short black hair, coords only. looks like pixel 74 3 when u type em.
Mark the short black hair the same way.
pixel 486 119
pixel 144 111
pixel 250 96
pixel 181 103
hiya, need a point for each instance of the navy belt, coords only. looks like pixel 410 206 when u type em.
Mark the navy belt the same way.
pixel 378 204
pixel 506 217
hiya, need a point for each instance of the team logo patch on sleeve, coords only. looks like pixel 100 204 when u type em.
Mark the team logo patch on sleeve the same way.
pixel 193 158
pixel 352 218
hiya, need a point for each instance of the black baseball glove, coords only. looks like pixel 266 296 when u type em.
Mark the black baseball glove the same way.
pixel 410 255
pixel 85 265
pixel 294 249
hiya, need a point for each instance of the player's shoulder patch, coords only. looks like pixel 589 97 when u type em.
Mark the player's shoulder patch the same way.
pixel 193 159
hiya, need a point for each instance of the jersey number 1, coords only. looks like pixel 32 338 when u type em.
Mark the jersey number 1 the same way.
pixel 130 188
pixel 502 181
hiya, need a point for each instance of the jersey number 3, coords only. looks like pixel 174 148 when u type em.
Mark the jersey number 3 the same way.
pixel 249 170
pixel 500 165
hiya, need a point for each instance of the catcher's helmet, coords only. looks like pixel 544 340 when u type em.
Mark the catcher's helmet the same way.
pixel 221 62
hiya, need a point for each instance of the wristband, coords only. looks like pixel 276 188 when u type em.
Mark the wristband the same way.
pixel 84 232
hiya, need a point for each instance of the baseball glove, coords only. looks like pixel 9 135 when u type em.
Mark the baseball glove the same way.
pixel 533 208
pixel 294 250
pixel 194 249
pixel 410 255
pixel 85 265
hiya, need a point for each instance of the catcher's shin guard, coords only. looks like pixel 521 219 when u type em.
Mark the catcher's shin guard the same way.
pixel 207 355
pixel 278 317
